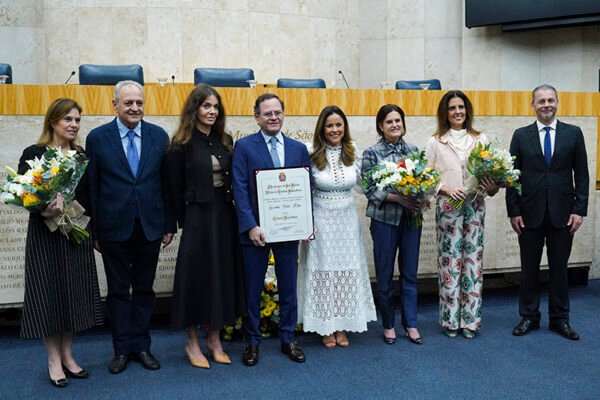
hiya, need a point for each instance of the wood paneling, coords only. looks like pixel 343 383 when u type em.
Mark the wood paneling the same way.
pixel 169 100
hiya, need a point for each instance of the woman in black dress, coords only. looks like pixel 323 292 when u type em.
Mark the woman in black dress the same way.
pixel 207 289
pixel 61 284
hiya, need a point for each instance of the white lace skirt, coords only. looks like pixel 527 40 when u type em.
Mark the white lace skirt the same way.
pixel 334 288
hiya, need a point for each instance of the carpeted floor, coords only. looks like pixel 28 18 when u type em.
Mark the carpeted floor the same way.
pixel 495 365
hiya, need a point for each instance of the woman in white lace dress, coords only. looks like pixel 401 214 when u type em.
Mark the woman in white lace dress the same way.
pixel 334 289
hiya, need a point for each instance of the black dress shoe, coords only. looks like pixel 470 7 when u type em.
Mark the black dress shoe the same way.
pixel 61 383
pixel 250 356
pixel 389 340
pixel 418 340
pixel 525 326
pixel 565 330
pixel 147 360
pixel 118 364
pixel 83 374
pixel 293 351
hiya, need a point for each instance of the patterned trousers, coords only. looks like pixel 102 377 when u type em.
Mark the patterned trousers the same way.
pixel 460 256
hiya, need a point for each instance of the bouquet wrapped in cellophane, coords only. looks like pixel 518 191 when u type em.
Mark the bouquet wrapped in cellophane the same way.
pixel 488 161
pixel 409 177
pixel 52 173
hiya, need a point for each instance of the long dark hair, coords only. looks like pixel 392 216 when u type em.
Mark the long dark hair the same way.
pixel 189 117
pixel 318 155
pixel 443 125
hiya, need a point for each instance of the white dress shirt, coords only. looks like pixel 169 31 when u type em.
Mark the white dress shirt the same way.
pixel 280 150
pixel 542 132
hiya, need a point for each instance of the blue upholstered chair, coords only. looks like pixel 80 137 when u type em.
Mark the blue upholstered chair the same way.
pixel 224 77
pixel 5 69
pixel 90 74
pixel 434 84
pixel 300 83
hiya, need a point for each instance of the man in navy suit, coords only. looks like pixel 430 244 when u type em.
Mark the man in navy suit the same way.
pixel 130 219
pixel 267 148
pixel 555 181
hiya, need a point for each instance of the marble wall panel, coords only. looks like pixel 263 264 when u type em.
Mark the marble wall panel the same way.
pixel 405 19
pixel 95 36
pixel 373 20
pixel 113 3
pixel 595 269
pixel 266 6
pixel 294 7
pixel 233 30
pixel 520 60
pixel 199 46
pixel 232 5
pixel 62 56
pixel 443 18
pixel 560 58
pixel 322 49
pixel 294 46
pixel 164 44
pixel 405 59
pixel 347 54
pixel 325 8
pixel 373 63
pixel 590 63
pixel 25 64
pixel 443 58
pixel 481 63
pixel 22 16
pixel 59 3
pixel 265 45
pixel 130 36
pixel 208 4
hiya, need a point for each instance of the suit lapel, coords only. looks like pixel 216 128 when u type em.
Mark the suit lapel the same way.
pixel 261 147
pixel 288 153
pixel 534 138
pixel 559 140
pixel 114 139
pixel 147 144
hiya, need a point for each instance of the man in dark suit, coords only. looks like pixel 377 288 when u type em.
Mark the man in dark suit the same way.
pixel 266 148
pixel 130 219
pixel 555 181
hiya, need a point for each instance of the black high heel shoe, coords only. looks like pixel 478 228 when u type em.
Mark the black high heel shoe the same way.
pixel 418 340
pixel 83 374
pixel 61 383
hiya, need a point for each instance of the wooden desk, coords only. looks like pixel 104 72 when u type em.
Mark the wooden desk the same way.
pixel 169 100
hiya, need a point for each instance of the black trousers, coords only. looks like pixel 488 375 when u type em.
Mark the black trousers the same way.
pixel 558 246
pixel 130 268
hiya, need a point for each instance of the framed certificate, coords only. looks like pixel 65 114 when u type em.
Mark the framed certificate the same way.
pixel 284 203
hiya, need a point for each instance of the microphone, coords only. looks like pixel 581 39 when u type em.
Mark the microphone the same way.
pixel 70 76
pixel 173 79
pixel 343 77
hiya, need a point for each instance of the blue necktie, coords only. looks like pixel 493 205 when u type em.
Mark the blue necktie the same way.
pixel 547 146
pixel 274 154
pixel 132 154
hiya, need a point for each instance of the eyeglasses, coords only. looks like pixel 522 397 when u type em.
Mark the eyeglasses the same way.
pixel 271 114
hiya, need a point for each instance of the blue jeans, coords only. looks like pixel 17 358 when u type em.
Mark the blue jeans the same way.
pixel 387 240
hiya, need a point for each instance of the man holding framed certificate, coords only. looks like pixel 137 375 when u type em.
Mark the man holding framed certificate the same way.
pixel 267 157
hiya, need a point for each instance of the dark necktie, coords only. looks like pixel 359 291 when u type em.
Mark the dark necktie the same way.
pixel 132 155
pixel 547 146
pixel 274 154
